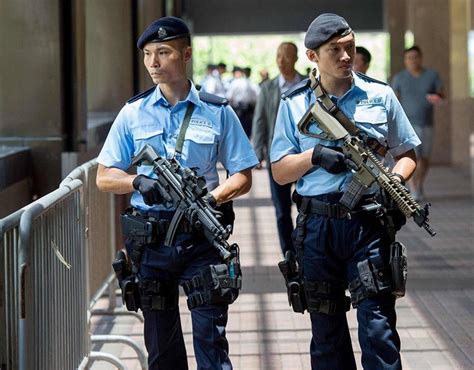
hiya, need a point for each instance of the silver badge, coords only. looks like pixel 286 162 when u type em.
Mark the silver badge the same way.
pixel 162 33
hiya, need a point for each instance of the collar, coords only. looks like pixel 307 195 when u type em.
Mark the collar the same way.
pixel 159 98
pixel 356 80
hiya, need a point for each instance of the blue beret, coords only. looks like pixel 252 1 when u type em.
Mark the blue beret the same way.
pixel 323 28
pixel 163 29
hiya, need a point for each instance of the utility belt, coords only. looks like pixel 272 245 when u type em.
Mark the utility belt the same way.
pixel 331 208
pixel 145 229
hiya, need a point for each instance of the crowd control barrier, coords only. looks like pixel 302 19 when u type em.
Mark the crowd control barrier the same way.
pixel 53 253
pixel 9 285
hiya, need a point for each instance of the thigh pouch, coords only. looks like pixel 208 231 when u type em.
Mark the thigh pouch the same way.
pixel 216 284
pixel 370 282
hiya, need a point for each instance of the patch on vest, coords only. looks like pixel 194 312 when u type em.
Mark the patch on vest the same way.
pixel 199 122
pixel 372 101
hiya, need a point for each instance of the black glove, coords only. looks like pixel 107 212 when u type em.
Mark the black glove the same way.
pixel 330 159
pixel 148 188
pixel 210 200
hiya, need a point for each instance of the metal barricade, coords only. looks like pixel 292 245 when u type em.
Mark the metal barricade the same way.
pixel 53 302
pixel 100 242
pixel 9 307
pixel 99 224
pixel 45 278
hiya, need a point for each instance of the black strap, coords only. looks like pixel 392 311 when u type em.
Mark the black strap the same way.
pixel 184 127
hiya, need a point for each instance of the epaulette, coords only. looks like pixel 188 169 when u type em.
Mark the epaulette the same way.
pixel 212 99
pixel 141 95
pixel 296 89
pixel 370 79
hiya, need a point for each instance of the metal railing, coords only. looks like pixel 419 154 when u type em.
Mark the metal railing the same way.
pixel 53 328
pixel 9 307
pixel 54 253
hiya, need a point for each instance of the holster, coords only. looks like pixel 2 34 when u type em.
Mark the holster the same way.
pixel 127 282
pixel 399 267
pixel 294 284
pixel 138 228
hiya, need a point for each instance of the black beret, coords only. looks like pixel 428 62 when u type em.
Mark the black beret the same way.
pixel 323 28
pixel 163 29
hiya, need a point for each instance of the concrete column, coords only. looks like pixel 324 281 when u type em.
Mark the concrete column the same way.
pixel 110 50
pixel 396 23
pixel 429 20
pixel 461 104
pixel 440 28
pixel 74 76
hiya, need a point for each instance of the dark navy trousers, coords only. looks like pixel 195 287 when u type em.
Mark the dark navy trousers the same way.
pixel 163 334
pixel 281 197
pixel 331 250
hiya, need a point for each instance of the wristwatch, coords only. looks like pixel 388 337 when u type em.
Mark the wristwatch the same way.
pixel 402 179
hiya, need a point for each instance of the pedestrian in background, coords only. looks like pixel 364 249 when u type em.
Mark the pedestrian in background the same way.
pixel 263 127
pixel 242 97
pixel 362 60
pixel 419 90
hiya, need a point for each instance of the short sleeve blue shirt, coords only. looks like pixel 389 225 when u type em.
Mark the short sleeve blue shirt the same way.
pixel 214 135
pixel 371 105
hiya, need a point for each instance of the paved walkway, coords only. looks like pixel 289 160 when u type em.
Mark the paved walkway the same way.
pixel 434 319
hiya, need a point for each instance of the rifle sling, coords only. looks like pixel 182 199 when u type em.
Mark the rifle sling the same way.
pixel 341 117
pixel 182 132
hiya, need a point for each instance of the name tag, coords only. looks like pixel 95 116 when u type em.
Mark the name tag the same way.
pixel 200 122
pixel 371 101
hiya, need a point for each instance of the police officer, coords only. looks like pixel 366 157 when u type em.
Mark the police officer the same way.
pixel 336 249
pixel 214 134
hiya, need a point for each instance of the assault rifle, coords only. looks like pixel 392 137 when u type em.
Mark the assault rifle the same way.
pixel 183 190
pixel 320 123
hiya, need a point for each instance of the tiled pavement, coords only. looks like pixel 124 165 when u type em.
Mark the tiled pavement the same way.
pixel 435 319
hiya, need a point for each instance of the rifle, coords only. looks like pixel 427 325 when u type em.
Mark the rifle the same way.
pixel 367 168
pixel 183 190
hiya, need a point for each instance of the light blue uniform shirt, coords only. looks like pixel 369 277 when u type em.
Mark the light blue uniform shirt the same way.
pixel 371 105
pixel 214 135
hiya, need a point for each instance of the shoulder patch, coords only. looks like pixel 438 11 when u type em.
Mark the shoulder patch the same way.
pixel 141 95
pixel 296 89
pixel 370 79
pixel 212 99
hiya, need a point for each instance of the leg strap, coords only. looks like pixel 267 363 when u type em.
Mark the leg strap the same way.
pixel 157 296
pixel 319 297
pixel 370 282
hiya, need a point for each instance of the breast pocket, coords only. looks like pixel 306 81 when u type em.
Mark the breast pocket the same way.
pixel 200 147
pixel 372 119
pixel 152 136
